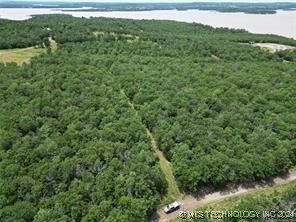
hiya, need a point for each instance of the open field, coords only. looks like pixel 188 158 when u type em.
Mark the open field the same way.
pixel 19 56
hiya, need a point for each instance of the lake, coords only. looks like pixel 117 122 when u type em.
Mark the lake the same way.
pixel 282 23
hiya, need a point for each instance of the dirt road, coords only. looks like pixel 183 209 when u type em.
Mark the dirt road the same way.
pixel 191 203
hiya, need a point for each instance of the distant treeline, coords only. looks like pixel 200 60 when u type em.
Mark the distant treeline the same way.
pixel 14 34
pixel 254 8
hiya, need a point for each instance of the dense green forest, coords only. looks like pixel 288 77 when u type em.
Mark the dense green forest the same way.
pixel 72 149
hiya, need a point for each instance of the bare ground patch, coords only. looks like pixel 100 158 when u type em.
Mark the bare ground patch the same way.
pixel 273 47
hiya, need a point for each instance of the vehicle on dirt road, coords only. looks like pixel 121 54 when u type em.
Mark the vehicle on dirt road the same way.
pixel 172 207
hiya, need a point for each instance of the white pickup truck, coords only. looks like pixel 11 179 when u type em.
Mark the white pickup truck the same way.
pixel 172 207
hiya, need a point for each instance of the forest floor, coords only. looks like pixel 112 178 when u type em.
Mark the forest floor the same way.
pixel 19 56
pixel 272 47
pixel 173 192
pixel 191 203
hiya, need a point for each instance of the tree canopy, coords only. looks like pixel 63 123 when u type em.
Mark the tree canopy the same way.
pixel 71 148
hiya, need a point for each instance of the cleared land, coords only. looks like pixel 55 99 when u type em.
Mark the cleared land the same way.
pixel 53 45
pixel 24 55
pixel 273 47
pixel 173 190
pixel 19 56
pixel 129 38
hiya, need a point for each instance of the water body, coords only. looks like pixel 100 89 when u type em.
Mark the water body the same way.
pixel 282 23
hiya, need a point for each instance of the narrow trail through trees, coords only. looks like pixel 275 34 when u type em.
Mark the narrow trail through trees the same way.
pixel 188 201
pixel 173 192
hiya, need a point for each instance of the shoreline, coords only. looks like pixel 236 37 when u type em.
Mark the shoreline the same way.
pixel 279 23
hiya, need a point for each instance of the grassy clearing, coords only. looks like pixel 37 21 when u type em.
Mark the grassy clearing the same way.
pixel 19 56
pixel 98 33
pixel 53 45
pixel 129 38
pixel 173 192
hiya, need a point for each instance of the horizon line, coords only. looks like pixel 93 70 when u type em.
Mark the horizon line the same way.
pixel 143 1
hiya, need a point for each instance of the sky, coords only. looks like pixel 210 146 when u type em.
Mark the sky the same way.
pixel 132 1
